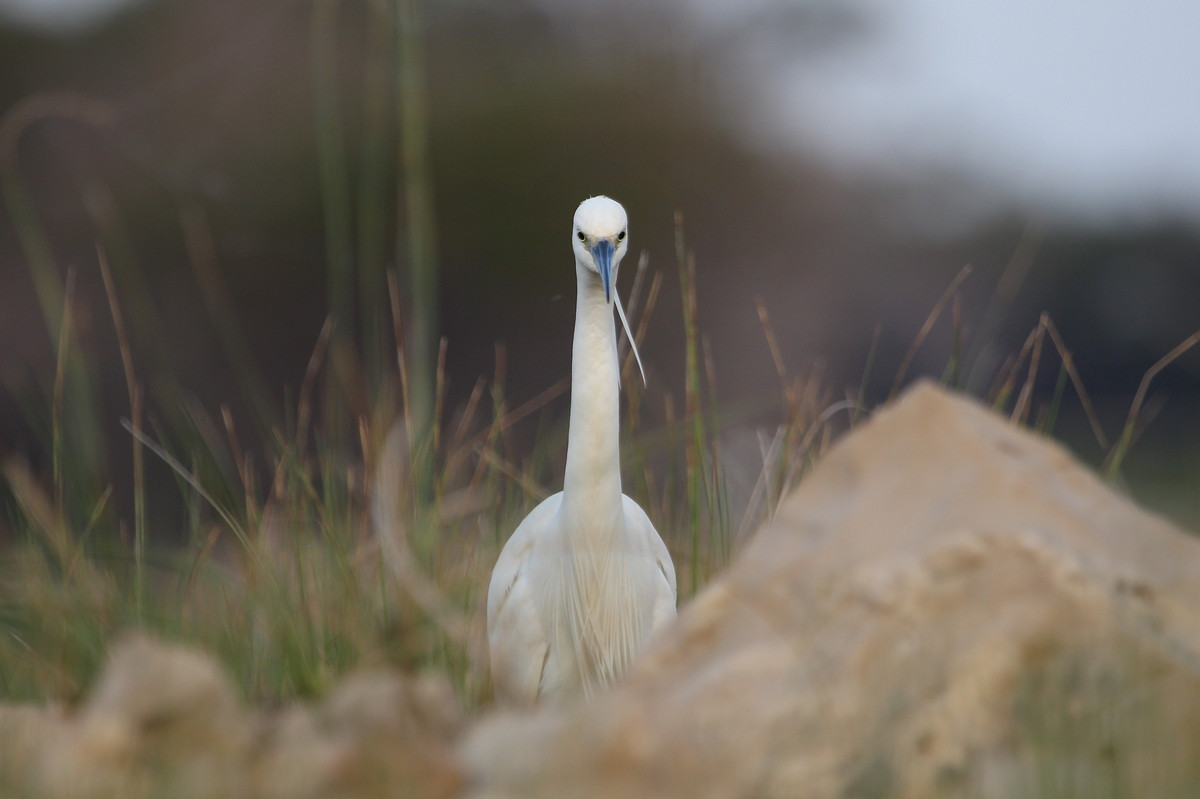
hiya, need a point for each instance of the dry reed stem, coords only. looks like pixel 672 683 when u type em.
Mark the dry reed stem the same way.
pixel 398 342
pixel 439 395
pixel 49 105
pixel 135 412
pixel 927 326
pixel 1069 364
pixel 1021 407
pixel 1127 433
pixel 39 509
pixel 397 552
pixel 773 346
pixel 60 376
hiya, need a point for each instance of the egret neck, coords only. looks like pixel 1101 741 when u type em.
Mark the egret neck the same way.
pixel 592 481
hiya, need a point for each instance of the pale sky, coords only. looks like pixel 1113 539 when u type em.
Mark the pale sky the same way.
pixel 1090 107
pixel 60 15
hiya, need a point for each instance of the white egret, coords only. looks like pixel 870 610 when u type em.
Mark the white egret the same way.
pixel 585 578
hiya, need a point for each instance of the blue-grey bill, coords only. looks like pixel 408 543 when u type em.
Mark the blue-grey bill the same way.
pixel 602 254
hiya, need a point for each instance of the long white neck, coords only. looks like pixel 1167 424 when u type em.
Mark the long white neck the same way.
pixel 592 483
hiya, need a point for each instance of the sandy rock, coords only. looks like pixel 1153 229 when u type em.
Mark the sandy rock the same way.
pixel 161 718
pixel 25 730
pixel 378 735
pixel 948 605
pixel 165 721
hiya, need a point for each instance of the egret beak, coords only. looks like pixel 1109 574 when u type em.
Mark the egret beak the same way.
pixel 602 254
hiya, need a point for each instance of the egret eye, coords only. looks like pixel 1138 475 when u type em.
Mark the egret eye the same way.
pixel 621 236
pixel 579 234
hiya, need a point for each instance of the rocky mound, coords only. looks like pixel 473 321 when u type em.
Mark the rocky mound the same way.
pixel 948 605
pixel 164 721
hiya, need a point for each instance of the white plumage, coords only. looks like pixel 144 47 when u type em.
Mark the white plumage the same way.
pixel 585 579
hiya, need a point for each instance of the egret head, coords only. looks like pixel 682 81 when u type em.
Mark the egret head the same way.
pixel 599 238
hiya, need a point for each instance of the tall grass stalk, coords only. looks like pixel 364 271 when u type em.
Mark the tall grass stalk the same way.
pixel 135 413
pixel 375 185
pixel 31 235
pixel 860 403
pixel 927 326
pixel 332 161
pixel 202 257
pixel 417 221
pixel 980 355
pixel 694 446
pixel 1115 458
pixel 57 448
pixel 75 389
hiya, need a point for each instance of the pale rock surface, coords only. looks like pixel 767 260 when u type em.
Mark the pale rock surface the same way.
pixel 948 605
pixel 25 731
pixel 164 721
pixel 378 735
pixel 161 717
